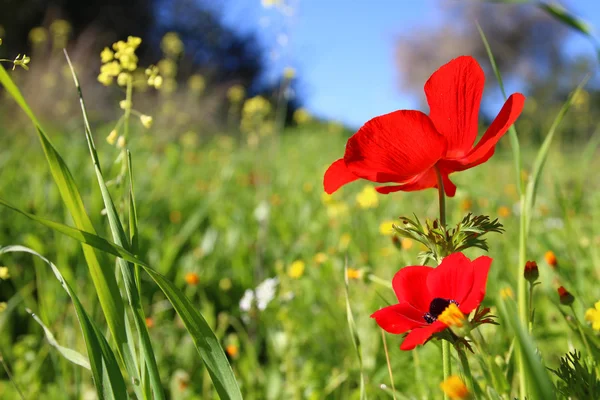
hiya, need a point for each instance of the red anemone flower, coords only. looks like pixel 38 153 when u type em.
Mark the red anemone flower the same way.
pixel 405 146
pixel 425 292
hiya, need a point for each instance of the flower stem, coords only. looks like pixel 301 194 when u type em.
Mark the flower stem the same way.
pixel 522 295
pixel 466 370
pixel 446 366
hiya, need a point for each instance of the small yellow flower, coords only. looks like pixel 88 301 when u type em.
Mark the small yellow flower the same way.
pixel 301 116
pixel 171 44
pixel 345 241
pixel 225 284
pixel 236 93
pixel 192 278
pixel 21 61
pixel 107 55
pixel 296 269
pixel 105 79
pixel 38 35
pixel 146 120
pixel 353 273
pixel 4 274
pixel 504 211
pixel 111 69
pixel 60 27
pixel 320 258
pixel 123 79
pixel 406 243
pixel 197 83
pixel 3 306
pixel 592 315
pixel 387 228
pixel 112 137
pixel 506 293
pixel 367 198
pixel 121 142
pixel 455 388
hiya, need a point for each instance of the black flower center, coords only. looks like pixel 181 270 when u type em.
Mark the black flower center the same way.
pixel 436 307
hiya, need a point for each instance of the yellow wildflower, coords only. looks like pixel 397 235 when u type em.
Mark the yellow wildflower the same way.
pixel 197 83
pixel 123 79
pixel 506 293
pixel 301 116
pixel 406 243
pixel 455 388
pixel 387 228
pixel 112 137
pixel 452 316
pixel 4 274
pixel 367 198
pixel 38 35
pixel 353 273
pixel 296 269
pixel 232 350
pixel 504 211
pixel 236 93
pixel 320 258
pixel 107 55
pixel 146 120
pixel 592 315
pixel 171 44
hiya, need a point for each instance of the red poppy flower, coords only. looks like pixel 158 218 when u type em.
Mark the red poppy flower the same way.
pixel 403 147
pixel 425 292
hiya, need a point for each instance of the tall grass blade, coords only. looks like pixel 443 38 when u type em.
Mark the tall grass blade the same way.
pixel 105 369
pixel 539 383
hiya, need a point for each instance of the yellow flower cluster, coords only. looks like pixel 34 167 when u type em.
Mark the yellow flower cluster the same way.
pixel 236 94
pixel 254 113
pixel 302 116
pixel 592 315
pixel 154 78
pixel 296 269
pixel 119 62
pixel 367 198
pixel 171 44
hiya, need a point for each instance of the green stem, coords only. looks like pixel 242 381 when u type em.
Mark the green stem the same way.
pixel 379 281
pixel 466 369
pixel 446 366
pixel 531 286
pixel 522 295
pixel 583 337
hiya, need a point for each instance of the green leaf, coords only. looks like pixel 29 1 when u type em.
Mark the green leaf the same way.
pixel 105 369
pixel 561 14
pixel 542 155
pixel 206 342
pixel 101 273
pixel 72 355
pixel 539 382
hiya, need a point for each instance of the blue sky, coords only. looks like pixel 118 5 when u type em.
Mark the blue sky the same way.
pixel 343 50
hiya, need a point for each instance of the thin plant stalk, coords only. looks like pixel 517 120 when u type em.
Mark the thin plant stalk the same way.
pixel 446 365
pixel 389 365
pixel 466 369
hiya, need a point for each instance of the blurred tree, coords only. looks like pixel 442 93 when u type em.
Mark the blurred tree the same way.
pixel 526 42
pixel 209 44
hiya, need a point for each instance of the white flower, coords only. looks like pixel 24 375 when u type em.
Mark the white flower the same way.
pixel 265 292
pixel 246 301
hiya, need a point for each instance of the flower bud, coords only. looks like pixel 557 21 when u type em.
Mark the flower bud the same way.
pixel 566 298
pixel 531 272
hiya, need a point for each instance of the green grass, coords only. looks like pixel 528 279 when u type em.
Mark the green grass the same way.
pixel 197 209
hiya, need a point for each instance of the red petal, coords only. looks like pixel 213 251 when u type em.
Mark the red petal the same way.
pixel 420 335
pixel 452 279
pixel 398 318
pixel 394 147
pixel 481 267
pixel 486 145
pixel 410 286
pixel 336 176
pixel 424 181
pixel 454 94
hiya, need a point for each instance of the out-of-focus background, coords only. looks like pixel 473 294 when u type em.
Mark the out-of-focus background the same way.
pixel 257 99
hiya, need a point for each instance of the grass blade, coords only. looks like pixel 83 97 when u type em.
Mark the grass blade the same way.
pixel 74 356
pixel 539 383
pixel 354 333
pixel 205 340
pixel 105 369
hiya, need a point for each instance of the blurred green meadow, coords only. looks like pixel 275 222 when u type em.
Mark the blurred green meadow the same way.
pixel 235 216
pixel 231 209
